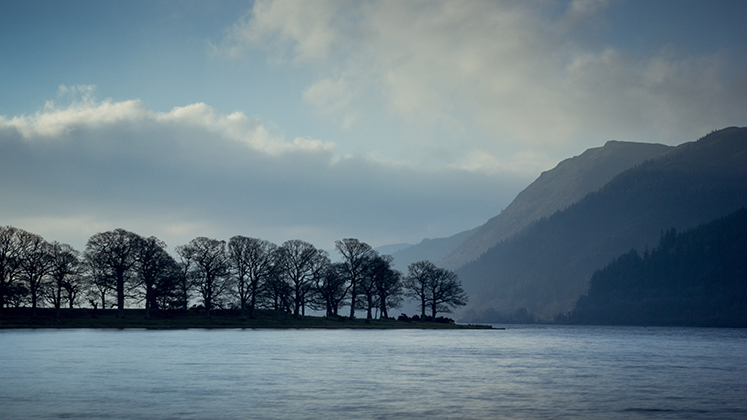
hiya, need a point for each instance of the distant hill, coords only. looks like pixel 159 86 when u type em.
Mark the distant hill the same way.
pixel 429 249
pixel 554 190
pixel 547 265
pixel 697 278
pixel 391 249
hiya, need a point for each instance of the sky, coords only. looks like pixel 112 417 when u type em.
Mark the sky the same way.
pixel 386 121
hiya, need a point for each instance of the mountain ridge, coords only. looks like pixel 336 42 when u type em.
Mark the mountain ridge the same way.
pixel 547 265
pixel 555 189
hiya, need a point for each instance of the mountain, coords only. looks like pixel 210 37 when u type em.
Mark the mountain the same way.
pixel 547 265
pixel 429 249
pixel 554 190
pixel 697 278
pixel 391 249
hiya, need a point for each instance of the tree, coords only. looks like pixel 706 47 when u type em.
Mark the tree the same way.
pixel 64 270
pixel 277 292
pixel 330 290
pixel 301 263
pixel 367 283
pixel 11 247
pixel 416 283
pixel 99 282
pixel 252 262
pixel 387 284
pixel 35 262
pixel 354 254
pixel 73 287
pixel 183 280
pixel 445 292
pixel 436 288
pixel 113 254
pixel 155 270
pixel 209 268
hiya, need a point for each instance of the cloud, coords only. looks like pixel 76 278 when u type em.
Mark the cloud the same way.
pixel 332 97
pixel 72 170
pixel 497 75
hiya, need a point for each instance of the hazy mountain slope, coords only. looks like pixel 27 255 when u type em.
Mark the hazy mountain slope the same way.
pixel 696 278
pixel 556 189
pixel 429 249
pixel 391 249
pixel 546 266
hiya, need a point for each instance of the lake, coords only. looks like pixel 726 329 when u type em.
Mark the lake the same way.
pixel 524 372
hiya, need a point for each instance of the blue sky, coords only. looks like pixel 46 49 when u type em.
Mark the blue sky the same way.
pixel 387 121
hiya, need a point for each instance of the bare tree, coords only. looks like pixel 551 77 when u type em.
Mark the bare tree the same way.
pixel 64 269
pixel 330 290
pixel 209 268
pixel 74 286
pixel 301 263
pixel 354 254
pixel 35 263
pixel 154 267
pixel 367 286
pixel 436 288
pixel 114 253
pixel 99 282
pixel 277 292
pixel 11 247
pixel 417 282
pixel 184 283
pixel 252 261
pixel 445 292
pixel 387 284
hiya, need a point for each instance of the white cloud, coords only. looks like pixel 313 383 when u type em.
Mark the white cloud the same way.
pixel 70 171
pixel 333 97
pixel 506 68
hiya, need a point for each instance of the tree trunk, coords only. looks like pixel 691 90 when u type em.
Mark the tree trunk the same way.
pixel 254 300
pixel 58 301
pixel 33 304
pixel 148 294
pixel 120 297
pixel 353 296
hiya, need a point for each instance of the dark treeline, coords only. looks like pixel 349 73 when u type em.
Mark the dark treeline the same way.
pixel 121 269
pixel 696 278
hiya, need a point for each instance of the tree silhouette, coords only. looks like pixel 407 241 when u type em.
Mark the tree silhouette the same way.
pixel 154 268
pixel 445 292
pixel 329 288
pixel 416 283
pixel 355 254
pixel 64 269
pixel 436 288
pixel 11 246
pixel 113 254
pixel 387 284
pixel 35 262
pixel 210 268
pixel 252 261
pixel 301 263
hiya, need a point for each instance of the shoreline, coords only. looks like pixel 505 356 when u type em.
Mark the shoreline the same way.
pixel 166 320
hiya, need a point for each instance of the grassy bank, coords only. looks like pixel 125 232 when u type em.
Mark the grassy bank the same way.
pixel 164 320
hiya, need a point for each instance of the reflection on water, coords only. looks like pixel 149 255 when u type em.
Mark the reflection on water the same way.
pixel 522 373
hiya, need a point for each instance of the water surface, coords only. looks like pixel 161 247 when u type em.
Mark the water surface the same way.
pixel 520 373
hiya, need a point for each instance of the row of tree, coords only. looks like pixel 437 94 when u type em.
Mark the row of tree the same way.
pixel 120 268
